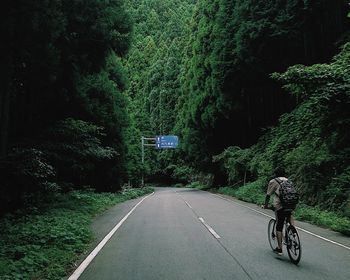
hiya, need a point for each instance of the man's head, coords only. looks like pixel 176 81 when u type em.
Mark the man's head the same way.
pixel 279 172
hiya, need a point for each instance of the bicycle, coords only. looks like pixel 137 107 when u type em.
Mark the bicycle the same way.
pixel 290 239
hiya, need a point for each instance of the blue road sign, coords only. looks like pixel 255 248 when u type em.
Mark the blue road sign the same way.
pixel 166 142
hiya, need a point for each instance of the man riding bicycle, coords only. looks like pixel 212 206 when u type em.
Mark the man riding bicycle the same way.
pixel 281 213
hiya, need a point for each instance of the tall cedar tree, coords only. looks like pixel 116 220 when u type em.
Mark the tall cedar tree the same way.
pixel 234 46
pixel 60 59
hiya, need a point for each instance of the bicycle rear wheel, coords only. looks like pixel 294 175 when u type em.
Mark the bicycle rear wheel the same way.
pixel 271 233
pixel 293 245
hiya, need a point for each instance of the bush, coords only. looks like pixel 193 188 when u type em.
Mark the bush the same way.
pixel 44 244
pixel 195 185
pixel 181 173
pixel 236 163
pixel 311 143
pixel 76 149
pixel 329 219
pixel 336 197
pixel 227 190
pixel 251 192
pixel 24 172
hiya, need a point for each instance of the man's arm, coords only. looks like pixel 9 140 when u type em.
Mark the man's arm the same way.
pixel 267 199
pixel 268 194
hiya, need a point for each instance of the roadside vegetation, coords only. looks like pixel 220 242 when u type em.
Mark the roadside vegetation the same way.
pixel 247 86
pixel 242 107
pixel 43 242
pixel 253 193
pixel 311 144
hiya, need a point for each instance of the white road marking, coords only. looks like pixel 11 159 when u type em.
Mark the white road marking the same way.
pixel 262 213
pixel 323 238
pixel 184 200
pixel 188 204
pixel 299 228
pixel 209 228
pixel 76 274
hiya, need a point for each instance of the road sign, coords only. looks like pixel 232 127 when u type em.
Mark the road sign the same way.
pixel 166 142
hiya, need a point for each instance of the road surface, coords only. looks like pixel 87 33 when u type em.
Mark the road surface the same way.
pixel 191 234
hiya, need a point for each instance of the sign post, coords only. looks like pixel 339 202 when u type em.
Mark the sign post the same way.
pixel 166 142
pixel 159 142
pixel 143 144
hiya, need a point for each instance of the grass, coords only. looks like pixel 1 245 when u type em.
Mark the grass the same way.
pixel 253 193
pixel 323 218
pixel 44 242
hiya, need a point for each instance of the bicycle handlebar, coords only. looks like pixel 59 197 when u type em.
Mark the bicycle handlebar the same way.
pixel 270 207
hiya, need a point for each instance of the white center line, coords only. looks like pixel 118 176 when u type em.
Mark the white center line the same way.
pixel 209 228
pixel 188 204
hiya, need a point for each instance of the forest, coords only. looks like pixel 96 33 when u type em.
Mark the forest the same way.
pixel 247 86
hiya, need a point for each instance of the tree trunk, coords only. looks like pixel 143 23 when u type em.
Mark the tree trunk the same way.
pixel 6 81
pixel 4 117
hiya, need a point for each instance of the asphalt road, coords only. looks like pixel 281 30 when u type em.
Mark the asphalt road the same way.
pixel 190 234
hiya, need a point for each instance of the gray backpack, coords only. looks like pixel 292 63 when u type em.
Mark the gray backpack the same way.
pixel 288 196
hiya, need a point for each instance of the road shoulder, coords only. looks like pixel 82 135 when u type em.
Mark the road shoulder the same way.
pixel 317 230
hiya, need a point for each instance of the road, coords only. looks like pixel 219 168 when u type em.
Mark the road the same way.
pixel 191 234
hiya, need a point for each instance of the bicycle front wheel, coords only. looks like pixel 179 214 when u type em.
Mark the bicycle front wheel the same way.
pixel 271 233
pixel 293 245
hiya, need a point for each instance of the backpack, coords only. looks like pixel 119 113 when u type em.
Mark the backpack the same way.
pixel 288 196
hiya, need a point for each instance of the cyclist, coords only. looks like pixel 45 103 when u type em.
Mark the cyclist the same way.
pixel 281 214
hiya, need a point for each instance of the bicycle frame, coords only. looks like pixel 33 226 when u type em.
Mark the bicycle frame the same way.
pixel 290 238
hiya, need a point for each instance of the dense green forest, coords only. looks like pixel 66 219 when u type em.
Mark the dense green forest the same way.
pixel 247 86
pixel 63 112
pixel 215 84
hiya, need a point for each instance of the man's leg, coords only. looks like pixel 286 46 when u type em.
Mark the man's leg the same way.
pixel 279 226
pixel 279 239
pixel 291 220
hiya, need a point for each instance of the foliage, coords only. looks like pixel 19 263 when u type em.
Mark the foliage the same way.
pixel 195 185
pixel 233 47
pixel 337 193
pixel 312 142
pixel 44 244
pixel 188 175
pixel 84 80
pixel 181 173
pixel 75 148
pixel 251 192
pixel 105 106
pixel 153 65
pixel 235 161
pixel 329 219
pixel 27 171
pixel 63 65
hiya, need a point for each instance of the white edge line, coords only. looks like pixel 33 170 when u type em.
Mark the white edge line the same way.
pixel 299 228
pixel 92 255
pixel 229 200
pixel 323 238
pixel 209 228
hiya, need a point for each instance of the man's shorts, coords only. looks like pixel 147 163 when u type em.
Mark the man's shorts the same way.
pixel 281 216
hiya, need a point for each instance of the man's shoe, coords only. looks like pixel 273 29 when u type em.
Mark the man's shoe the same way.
pixel 278 251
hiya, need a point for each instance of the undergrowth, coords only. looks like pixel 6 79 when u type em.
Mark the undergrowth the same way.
pixel 253 193
pixel 43 242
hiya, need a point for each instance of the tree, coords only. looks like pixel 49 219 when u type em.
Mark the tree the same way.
pixel 233 48
pixel 62 61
